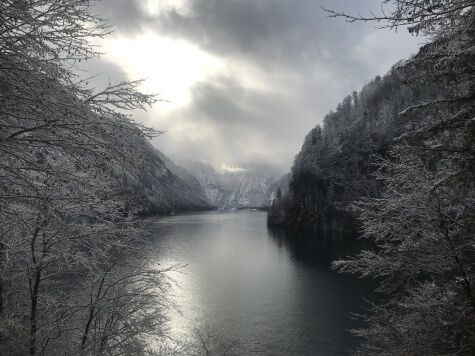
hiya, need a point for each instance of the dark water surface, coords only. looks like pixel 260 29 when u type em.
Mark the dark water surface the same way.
pixel 270 290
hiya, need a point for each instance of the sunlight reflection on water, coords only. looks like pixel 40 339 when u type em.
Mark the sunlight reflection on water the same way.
pixel 270 289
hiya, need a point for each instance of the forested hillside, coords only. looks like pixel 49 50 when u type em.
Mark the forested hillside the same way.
pixel 181 172
pixel 163 187
pixel 336 164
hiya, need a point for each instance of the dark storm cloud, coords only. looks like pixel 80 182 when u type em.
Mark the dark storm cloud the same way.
pixel 227 27
pixel 279 30
pixel 305 63
pixel 274 32
pixel 125 15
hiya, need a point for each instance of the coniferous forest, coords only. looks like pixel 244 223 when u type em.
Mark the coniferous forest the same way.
pixel 80 181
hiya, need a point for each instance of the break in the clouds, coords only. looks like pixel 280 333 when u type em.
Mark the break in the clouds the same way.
pixel 243 80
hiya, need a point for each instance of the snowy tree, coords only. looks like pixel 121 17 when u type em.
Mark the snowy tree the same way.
pixel 64 218
pixel 424 223
pixel 423 229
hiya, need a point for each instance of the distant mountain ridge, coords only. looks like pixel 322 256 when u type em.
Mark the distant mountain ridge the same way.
pixel 247 188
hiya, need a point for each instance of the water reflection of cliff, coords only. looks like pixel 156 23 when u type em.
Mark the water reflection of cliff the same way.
pixel 315 247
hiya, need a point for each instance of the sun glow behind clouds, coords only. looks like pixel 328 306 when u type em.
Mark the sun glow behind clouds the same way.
pixel 154 7
pixel 169 67
pixel 232 169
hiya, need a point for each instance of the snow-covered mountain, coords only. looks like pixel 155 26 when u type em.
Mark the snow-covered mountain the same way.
pixel 164 187
pixel 244 188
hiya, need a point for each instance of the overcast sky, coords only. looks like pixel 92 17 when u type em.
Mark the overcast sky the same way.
pixel 243 80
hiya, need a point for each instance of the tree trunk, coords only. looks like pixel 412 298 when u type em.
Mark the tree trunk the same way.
pixel 36 279
pixel 2 252
pixel 34 312
pixel 92 314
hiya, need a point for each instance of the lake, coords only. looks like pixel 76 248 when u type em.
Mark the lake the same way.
pixel 263 291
